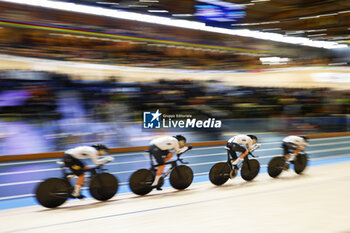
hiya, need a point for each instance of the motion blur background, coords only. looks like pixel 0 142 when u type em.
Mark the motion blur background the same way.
pixel 71 78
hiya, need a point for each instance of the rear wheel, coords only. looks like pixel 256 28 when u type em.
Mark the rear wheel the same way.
pixel 275 166
pixel 219 173
pixel 141 181
pixel 53 192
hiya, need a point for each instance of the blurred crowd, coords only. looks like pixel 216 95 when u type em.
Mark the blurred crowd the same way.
pixel 27 40
pixel 52 112
pixel 39 93
pixel 38 44
pixel 42 108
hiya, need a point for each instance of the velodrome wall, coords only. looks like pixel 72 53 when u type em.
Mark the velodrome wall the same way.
pixel 305 77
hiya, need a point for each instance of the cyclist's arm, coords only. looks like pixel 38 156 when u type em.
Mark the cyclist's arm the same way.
pixel 94 158
pixel 304 145
pixel 249 146
pixel 179 150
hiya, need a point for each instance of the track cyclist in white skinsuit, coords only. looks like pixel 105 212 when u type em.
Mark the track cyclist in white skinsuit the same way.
pixel 159 149
pixel 72 159
pixel 292 145
pixel 241 143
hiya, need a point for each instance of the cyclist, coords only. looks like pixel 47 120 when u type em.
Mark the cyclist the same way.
pixel 159 149
pixel 72 159
pixel 295 144
pixel 241 143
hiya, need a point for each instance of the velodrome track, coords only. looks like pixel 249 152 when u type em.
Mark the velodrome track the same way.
pixel 19 179
pixel 315 202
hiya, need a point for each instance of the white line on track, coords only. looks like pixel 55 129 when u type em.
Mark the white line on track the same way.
pixel 23 182
pixel 16 196
pixel 196 174
pixel 328 150
pixel 191 156
pixel 29 171
pixel 138 161
pixel 29 162
pixel 198 148
pixel 192 165
pixel 330 138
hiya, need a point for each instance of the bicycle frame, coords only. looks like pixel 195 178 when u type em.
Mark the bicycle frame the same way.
pixel 66 173
pixel 240 164
pixel 173 165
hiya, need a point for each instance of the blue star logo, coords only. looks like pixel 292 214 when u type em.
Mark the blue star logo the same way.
pixel 151 120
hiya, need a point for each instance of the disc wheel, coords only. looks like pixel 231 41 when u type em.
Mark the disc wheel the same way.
pixel 52 192
pixel 250 169
pixel 181 177
pixel 300 163
pixel 219 173
pixel 103 186
pixel 141 181
pixel 275 166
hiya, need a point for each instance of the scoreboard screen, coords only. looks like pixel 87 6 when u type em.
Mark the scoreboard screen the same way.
pixel 219 12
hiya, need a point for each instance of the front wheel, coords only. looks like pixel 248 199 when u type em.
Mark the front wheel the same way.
pixel 219 173
pixel 181 177
pixel 250 169
pixel 141 181
pixel 103 186
pixel 275 166
pixel 300 163
pixel 53 192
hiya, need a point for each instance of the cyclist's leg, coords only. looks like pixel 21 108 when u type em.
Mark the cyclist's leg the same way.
pixel 158 155
pixel 287 147
pixel 238 148
pixel 231 152
pixel 288 156
pixel 295 153
pixel 161 168
pixel 77 167
pixel 168 156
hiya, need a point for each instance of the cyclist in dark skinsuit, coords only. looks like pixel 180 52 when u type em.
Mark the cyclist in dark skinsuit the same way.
pixel 72 159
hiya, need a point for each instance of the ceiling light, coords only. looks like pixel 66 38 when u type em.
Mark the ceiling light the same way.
pixel 296 32
pixel 137 6
pixel 338 64
pixel 113 13
pixel 274 60
pixel 254 24
pixel 271 29
pixel 343 12
pixel 108 3
pixel 182 15
pixel 158 11
pixel 317 30
pixel 331 14
pixel 318 16
pixel 321 34
pixel 309 17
